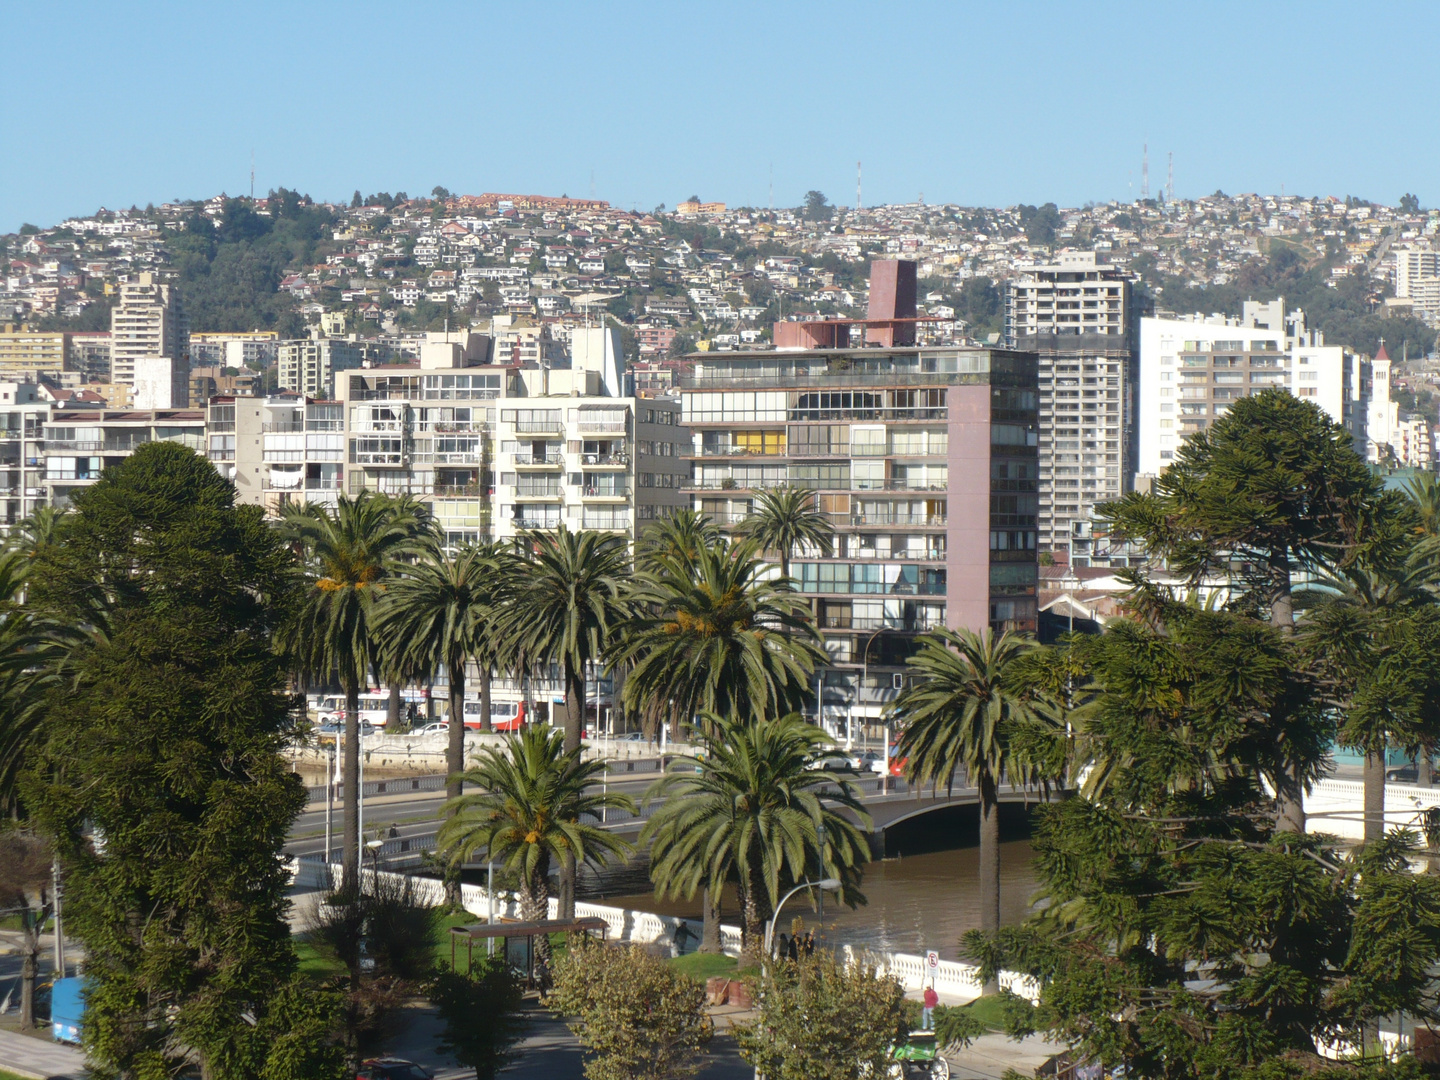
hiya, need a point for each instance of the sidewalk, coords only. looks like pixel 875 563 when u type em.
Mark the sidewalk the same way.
pixel 40 1058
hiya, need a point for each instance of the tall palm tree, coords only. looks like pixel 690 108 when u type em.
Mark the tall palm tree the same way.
pixel 710 635
pixel 535 803
pixel 440 614
pixel 566 607
pixel 31 652
pixel 965 708
pixel 682 534
pixel 1423 490
pixel 349 555
pixel 786 517
pixel 750 812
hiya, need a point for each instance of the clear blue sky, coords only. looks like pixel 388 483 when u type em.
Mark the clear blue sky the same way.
pixel 980 103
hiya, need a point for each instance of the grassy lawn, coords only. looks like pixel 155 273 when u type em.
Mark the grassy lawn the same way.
pixel 701 966
pixel 989 1010
pixel 9 1076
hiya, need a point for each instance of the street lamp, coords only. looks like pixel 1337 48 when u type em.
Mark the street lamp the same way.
pixel 824 883
pixel 375 846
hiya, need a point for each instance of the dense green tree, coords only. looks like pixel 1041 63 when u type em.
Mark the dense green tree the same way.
pixel 1171 866
pixel 784 518
pixel 1271 488
pixel 536 804
pixel 819 1018
pixel 482 1013
pixel 349 553
pixel 817 207
pixel 637 1017
pixel 711 634
pixel 161 778
pixel 680 535
pixel 749 810
pixel 972 705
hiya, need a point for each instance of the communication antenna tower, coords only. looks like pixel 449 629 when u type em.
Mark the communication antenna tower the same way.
pixel 857 187
pixel 1170 177
pixel 1144 171
pixel 252 175
pixel 772 187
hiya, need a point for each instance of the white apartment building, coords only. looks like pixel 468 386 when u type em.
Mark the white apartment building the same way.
pixel 23 414
pixel 1075 315
pixel 150 343
pixel 1414 443
pixel 278 450
pixel 257 349
pixel 1412 266
pixel 80 443
pixel 1192 368
pixel 308 366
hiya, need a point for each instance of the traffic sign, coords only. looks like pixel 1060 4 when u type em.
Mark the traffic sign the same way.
pixel 932 960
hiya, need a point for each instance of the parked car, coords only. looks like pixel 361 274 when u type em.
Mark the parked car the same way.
pixel 867 761
pixel 391 1069
pixel 832 763
pixel 432 729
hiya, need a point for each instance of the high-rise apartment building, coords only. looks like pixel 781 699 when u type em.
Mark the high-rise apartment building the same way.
pixel 1193 368
pixel 924 460
pixel 308 366
pixel 79 444
pixel 1076 314
pixel 284 449
pixel 1413 266
pixel 150 343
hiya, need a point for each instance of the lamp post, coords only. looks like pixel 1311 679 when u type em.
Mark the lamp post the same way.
pixel 824 883
pixel 865 678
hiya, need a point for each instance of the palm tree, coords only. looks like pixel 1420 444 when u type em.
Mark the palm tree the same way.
pixel 440 614
pixel 566 607
pixel 965 708
pixel 710 635
pixel 530 809
pixel 785 518
pixel 682 534
pixel 1423 490
pixel 750 811
pixel 31 650
pixel 349 554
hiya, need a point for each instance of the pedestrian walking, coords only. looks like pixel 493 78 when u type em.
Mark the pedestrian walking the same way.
pixel 927 1014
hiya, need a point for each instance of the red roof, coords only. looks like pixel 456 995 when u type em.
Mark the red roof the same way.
pixel 1380 353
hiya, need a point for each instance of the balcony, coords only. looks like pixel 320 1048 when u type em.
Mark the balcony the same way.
pixel 61 446
pixel 537 523
pixel 545 461
pixel 544 493
pixel 457 491
pixel 540 427
pixel 604 493
pixel 921 520
pixel 618 459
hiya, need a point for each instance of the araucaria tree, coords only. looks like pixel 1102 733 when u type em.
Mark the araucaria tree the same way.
pixel 1271 488
pixel 1183 932
pixel 161 779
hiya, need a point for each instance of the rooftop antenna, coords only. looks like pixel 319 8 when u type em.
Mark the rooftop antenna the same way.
pixel 1170 177
pixel 1144 171
pixel 857 187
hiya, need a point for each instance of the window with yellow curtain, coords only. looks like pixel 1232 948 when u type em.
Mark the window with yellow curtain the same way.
pixel 760 442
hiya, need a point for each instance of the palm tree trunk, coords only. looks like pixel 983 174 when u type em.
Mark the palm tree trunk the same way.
pixel 1423 775
pixel 1374 796
pixel 754 923
pixel 535 907
pixel 710 934
pixel 574 727
pixel 29 970
pixel 350 855
pixel 485 724
pixel 989 858
pixel 455 764
pixel 392 706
